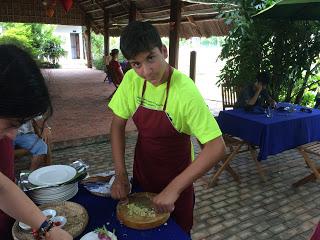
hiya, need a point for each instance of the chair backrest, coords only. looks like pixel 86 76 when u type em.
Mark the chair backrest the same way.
pixel 229 96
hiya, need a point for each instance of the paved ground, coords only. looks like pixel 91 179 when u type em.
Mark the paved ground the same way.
pixel 250 210
pixel 79 98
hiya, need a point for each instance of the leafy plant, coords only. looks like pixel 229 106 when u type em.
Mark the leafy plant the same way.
pixel 97 44
pixel 37 39
pixel 289 50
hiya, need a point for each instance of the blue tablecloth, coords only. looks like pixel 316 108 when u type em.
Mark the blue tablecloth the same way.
pixel 284 130
pixel 102 211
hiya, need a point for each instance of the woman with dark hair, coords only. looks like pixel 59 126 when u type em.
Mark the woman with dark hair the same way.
pixel 23 96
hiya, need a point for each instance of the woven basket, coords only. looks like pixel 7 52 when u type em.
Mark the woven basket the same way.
pixel 77 219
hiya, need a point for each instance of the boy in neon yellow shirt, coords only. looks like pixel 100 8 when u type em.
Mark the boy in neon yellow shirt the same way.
pixel 167 108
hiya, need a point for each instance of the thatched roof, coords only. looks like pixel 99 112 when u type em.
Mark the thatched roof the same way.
pixel 197 19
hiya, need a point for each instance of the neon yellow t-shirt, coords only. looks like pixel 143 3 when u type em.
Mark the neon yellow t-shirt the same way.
pixel 186 108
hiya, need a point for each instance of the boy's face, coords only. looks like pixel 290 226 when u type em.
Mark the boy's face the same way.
pixel 151 65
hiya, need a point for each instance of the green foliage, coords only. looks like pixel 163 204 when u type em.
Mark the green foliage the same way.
pixel 52 50
pixel 97 43
pixel 37 39
pixel 99 63
pixel 289 50
pixel 212 41
pixel 308 99
pixel 18 35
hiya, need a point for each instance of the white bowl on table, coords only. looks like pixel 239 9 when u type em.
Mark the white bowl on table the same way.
pixel 59 221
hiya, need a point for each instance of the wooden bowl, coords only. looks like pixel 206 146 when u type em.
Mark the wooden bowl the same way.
pixel 136 221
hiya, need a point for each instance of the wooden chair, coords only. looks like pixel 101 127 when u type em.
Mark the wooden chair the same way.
pixel 234 145
pixel 21 152
pixel 307 150
pixel 229 96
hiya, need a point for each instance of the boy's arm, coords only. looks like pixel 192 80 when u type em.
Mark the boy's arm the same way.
pixel 212 152
pixel 120 187
pixel 252 101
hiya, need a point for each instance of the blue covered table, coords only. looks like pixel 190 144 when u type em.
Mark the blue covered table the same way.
pixel 102 211
pixel 283 131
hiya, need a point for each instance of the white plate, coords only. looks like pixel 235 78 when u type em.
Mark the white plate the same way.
pixel 24 226
pixel 50 175
pixel 94 236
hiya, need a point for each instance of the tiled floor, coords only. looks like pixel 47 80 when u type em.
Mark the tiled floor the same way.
pixel 250 210
pixel 79 98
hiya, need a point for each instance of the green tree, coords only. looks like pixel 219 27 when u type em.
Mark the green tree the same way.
pixel 97 44
pixel 289 50
pixel 37 39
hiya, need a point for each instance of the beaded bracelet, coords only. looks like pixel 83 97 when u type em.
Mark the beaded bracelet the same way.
pixel 44 228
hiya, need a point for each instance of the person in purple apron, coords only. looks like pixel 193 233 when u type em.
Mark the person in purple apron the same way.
pixel 23 96
pixel 167 109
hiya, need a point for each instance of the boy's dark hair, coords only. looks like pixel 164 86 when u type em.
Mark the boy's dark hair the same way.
pixel 114 52
pixel 23 92
pixel 139 37
pixel 264 78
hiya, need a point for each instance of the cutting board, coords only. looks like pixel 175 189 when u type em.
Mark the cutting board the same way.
pixel 142 199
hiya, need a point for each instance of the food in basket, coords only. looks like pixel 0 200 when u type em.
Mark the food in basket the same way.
pixel 140 210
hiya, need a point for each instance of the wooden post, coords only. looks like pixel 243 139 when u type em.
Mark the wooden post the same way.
pixel 133 11
pixel 175 21
pixel 193 63
pixel 106 33
pixel 88 38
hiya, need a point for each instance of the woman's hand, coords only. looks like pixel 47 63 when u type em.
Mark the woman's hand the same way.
pixel 120 187
pixel 164 201
pixel 57 233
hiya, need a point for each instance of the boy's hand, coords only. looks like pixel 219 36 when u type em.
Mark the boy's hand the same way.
pixel 164 201
pixel 120 187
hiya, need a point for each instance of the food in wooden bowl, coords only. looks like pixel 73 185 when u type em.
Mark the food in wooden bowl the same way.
pixel 139 212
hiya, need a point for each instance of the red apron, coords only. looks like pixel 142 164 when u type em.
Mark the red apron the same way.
pixel 6 168
pixel 161 154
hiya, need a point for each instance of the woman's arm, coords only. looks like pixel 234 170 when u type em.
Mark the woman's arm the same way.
pixel 17 205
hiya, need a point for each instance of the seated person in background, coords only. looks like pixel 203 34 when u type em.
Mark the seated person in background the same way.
pixel 256 94
pixel 115 66
pixel 35 142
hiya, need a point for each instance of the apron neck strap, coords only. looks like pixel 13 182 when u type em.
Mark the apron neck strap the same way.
pixel 167 90
pixel 168 86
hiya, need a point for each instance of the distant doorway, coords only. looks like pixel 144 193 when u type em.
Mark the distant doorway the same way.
pixel 75 45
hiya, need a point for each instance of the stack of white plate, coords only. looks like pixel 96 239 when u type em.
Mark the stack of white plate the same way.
pixel 52 176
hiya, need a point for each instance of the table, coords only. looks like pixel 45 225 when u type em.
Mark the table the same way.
pixel 273 135
pixel 283 131
pixel 102 211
